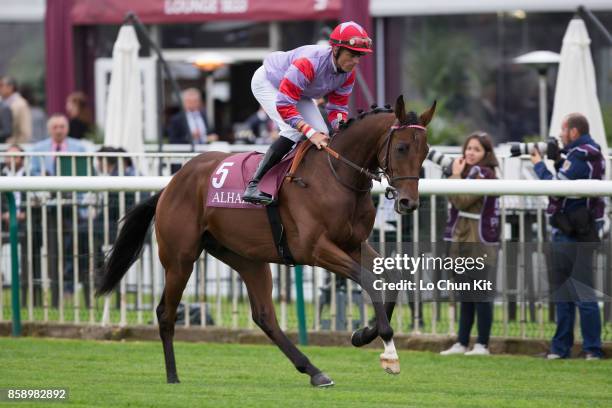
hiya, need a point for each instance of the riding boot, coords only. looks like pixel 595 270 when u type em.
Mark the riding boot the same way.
pixel 252 194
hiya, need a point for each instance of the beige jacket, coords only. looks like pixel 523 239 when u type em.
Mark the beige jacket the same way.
pixel 22 119
pixel 467 229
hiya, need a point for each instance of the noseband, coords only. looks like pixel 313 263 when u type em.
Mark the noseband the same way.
pixel 391 191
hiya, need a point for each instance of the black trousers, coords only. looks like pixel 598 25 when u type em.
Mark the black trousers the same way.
pixel 484 313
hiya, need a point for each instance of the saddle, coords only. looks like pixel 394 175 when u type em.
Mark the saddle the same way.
pixel 231 176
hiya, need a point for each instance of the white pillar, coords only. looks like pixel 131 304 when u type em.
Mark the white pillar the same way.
pixel 380 61
pixel 210 100
pixel 543 104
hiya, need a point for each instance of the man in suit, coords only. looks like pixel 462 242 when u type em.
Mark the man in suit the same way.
pixel 6 122
pixel 22 116
pixel 58 142
pixel 191 125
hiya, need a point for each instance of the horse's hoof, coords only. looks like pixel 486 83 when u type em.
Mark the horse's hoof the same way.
pixel 321 380
pixel 390 365
pixel 356 338
pixel 173 380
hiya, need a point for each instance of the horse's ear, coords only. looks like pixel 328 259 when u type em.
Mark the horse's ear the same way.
pixel 426 116
pixel 400 109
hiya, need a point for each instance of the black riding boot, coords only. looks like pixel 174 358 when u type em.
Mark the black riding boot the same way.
pixel 274 155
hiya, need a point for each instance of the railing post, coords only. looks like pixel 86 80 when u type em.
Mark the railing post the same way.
pixel 299 305
pixel 15 302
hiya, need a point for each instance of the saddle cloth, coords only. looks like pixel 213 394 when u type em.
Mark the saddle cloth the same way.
pixel 229 180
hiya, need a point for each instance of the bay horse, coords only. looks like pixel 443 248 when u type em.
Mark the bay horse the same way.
pixel 327 223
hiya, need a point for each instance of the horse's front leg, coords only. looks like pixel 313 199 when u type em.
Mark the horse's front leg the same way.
pixel 331 257
pixel 367 334
pixel 383 300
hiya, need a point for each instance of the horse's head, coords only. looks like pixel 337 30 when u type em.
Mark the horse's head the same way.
pixel 402 155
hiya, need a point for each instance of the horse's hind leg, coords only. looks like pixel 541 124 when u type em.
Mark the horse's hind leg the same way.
pixel 176 279
pixel 258 280
pixel 259 286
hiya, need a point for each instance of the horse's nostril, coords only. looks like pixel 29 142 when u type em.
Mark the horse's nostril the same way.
pixel 404 203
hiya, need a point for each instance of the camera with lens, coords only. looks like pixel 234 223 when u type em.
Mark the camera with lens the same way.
pixel 550 148
pixel 442 160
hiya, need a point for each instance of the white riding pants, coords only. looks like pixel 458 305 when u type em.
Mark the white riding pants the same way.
pixel 265 93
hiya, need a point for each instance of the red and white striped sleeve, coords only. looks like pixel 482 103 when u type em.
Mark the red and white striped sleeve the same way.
pixel 337 101
pixel 299 75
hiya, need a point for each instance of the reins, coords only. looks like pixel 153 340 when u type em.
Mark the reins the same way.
pixel 387 172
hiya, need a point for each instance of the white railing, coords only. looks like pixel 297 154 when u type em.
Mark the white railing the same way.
pixel 76 183
pixel 213 288
pixel 578 188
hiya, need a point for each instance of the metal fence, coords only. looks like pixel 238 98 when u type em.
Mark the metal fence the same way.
pixel 68 224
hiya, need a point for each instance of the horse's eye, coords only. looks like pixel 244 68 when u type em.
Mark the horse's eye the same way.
pixel 402 147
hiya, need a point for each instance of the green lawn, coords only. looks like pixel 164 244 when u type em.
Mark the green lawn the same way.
pixel 531 329
pixel 114 374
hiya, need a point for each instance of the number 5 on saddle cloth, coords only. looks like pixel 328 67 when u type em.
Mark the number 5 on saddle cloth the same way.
pixel 231 176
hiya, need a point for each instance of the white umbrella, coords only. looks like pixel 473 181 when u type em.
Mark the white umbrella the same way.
pixel 123 127
pixel 576 86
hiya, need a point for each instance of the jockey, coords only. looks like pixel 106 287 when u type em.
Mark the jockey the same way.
pixel 287 84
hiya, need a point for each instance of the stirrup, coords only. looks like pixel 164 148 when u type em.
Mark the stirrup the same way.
pixel 258 198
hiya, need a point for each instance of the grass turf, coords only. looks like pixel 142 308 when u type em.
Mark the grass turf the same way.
pixel 532 329
pixel 220 375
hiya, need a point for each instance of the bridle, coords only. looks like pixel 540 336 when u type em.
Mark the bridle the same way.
pixel 391 191
pixel 386 171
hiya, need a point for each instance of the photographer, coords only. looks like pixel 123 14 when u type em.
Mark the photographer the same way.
pixel 574 220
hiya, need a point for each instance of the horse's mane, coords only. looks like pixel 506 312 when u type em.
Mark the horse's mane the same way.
pixel 411 117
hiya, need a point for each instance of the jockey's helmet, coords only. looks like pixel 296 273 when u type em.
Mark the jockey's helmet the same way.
pixel 352 36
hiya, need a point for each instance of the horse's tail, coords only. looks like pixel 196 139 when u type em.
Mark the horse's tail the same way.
pixel 128 245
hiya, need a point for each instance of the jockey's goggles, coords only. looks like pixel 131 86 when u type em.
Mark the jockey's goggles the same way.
pixel 361 42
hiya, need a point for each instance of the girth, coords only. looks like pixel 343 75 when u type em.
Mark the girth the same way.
pixel 278 233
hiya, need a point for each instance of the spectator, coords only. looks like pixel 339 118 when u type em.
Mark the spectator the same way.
pixel 263 128
pixel 474 219
pixel 39 117
pixel 58 141
pixel 14 167
pixel 109 165
pixel 191 125
pixel 79 114
pixel 6 122
pixel 574 220
pixel 22 117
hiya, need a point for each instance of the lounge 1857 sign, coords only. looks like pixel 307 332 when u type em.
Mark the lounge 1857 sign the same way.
pixel 87 12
